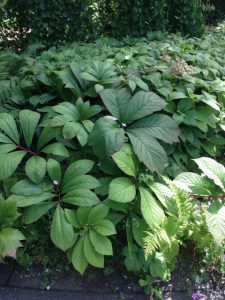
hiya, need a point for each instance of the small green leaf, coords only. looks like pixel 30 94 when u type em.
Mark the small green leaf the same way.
pixel 151 211
pixel 122 189
pixel 54 169
pixel 36 168
pixel 62 233
pixel 105 227
pixel 56 149
pixel 82 215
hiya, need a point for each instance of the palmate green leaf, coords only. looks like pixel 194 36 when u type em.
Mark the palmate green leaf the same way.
pixel 105 227
pixel 212 170
pixel 106 138
pixel 101 243
pixel 158 126
pixel 62 233
pixel 194 183
pixel 56 149
pixel 149 151
pixel 81 197
pixel 54 169
pixel 8 125
pixel 151 211
pixel 116 101
pixel 215 220
pixel 78 168
pixel 143 104
pixel 10 241
pixel 34 212
pixel 125 162
pixel 122 189
pixel 27 188
pixel 92 256
pixel 9 163
pixel 36 168
pixel 29 121
pixel 8 212
pixel 23 201
pixel 79 260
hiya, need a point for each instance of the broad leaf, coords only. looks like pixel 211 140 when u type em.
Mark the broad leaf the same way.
pixel 10 241
pixel 106 138
pixel 158 126
pixel 215 220
pixel 98 212
pixel 151 211
pixel 54 169
pixel 143 104
pixel 125 162
pixel 62 233
pixel 23 201
pixel 194 183
pixel 36 168
pixel 213 170
pixel 116 101
pixel 8 125
pixel 122 189
pixel 71 216
pixel 56 149
pixel 9 163
pixel 105 227
pixel 35 212
pixel 94 258
pixel 28 188
pixel 79 260
pixel 149 151
pixel 28 120
pixel 81 197
pixel 101 243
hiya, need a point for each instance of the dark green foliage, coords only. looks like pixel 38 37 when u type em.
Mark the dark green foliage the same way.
pixel 56 22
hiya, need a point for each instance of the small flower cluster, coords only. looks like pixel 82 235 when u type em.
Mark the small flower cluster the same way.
pixel 181 67
pixel 165 57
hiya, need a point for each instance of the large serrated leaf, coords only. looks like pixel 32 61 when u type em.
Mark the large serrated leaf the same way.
pixel 143 104
pixel 158 126
pixel 149 151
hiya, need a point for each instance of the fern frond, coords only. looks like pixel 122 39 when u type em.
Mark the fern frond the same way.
pixel 154 239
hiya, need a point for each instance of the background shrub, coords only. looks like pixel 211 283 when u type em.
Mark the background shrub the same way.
pixel 56 22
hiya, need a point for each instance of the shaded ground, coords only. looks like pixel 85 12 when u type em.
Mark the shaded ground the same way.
pixel 19 285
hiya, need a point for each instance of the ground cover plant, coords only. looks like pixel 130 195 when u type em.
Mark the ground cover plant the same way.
pixel 102 149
